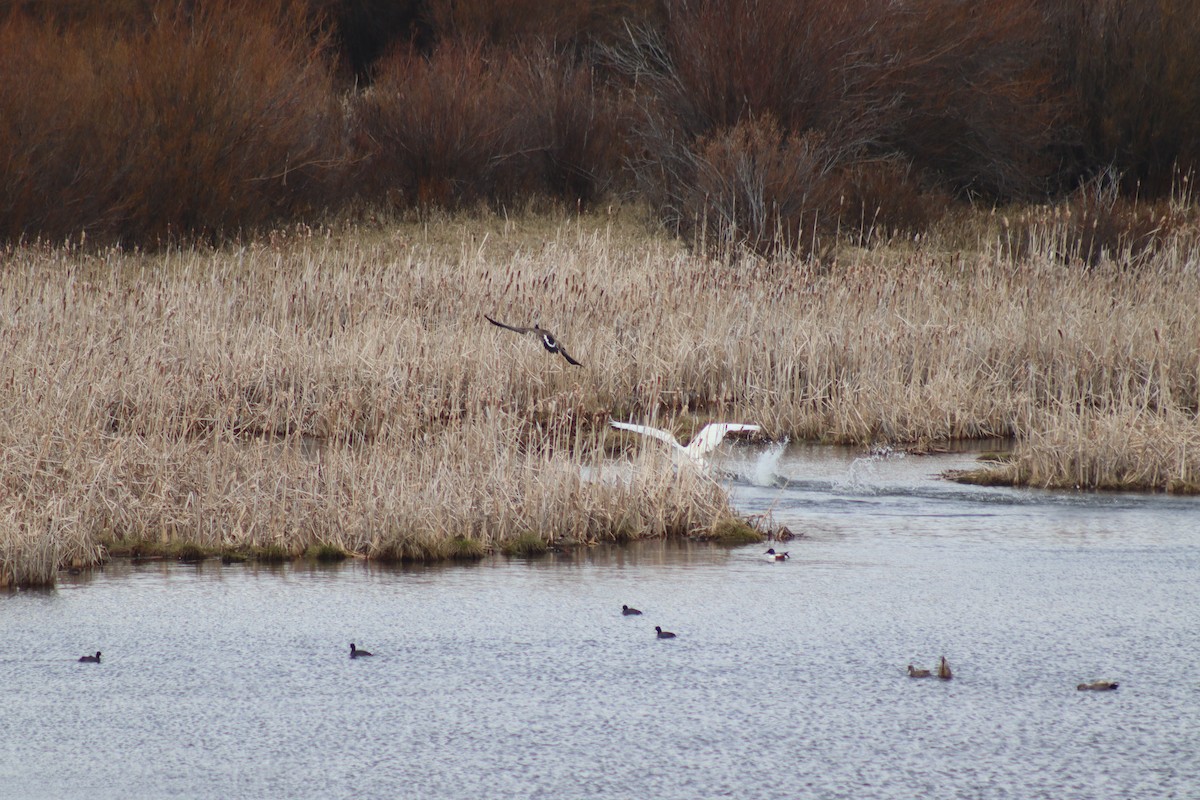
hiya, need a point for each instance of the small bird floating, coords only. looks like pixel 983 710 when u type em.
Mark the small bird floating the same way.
pixel 1098 686
pixel 917 672
pixel 773 556
pixel 944 670
pixel 90 659
pixel 548 341
pixel 629 612
pixel 664 634
pixel 707 440
pixel 356 653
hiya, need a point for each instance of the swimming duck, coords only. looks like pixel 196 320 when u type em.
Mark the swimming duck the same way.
pixel 944 670
pixel 548 341
pixel 707 440
pixel 1097 686
pixel 356 653
pixel 915 672
pixel 629 612
pixel 664 634
pixel 773 556
pixel 90 659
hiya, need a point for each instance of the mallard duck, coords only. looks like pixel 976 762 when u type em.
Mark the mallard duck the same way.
pixel 90 659
pixel 1097 686
pixel 629 612
pixel 664 634
pixel 707 440
pixel 944 670
pixel 548 340
pixel 915 672
pixel 356 653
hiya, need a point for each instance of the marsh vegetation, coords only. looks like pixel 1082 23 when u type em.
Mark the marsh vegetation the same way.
pixel 341 391
pixel 252 324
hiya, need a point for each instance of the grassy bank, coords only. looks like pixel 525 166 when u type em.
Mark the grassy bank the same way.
pixel 341 388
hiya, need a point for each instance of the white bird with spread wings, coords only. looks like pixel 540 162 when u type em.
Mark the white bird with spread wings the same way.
pixel 707 440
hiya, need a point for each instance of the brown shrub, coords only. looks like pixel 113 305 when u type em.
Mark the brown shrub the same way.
pixel 438 129
pixel 1099 222
pixel 573 128
pixel 710 65
pixel 882 197
pixel 1132 73
pixel 966 91
pixel 469 124
pixel 892 92
pixel 759 187
pixel 364 30
pixel 573 24
pixel 208 123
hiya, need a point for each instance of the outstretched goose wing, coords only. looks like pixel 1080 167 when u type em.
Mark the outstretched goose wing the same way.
pixel 645 430
pixel 570 360
pixel 506 327
pixel 711 435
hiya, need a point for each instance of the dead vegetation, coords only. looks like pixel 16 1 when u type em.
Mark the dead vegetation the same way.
pixel 341 388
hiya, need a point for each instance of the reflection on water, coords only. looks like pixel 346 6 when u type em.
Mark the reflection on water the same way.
pixel 512 678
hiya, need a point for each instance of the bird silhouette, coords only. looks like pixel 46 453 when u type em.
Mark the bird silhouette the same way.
pixel 707 440
pixel 548 341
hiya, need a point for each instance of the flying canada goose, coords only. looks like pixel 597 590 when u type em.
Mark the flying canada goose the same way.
pixel 90 659
pixel 915 672
pixel 548 340
pixel 664 634
pixel 773 556
pixel 356 653
pixel 944 670
pixel 707 440
pixel 1098 686
pixel 629 612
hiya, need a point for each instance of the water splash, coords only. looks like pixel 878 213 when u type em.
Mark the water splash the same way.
pixel 764 471
pixel 862 477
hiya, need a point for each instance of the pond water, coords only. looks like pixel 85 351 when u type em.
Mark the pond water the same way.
pixel 514 678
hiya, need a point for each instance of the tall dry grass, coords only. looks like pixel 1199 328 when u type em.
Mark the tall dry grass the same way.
pixel 342 387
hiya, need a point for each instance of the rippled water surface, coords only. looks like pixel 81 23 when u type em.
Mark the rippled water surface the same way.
pixel 514 678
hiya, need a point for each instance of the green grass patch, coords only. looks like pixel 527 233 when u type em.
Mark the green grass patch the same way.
pixel 526 544
pixel 272 554
pixel 325 552
pixel 734 531
pixel 464 548
pixel 189 552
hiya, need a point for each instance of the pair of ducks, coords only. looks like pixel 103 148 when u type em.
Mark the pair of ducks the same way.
pixel 354 653
pixel 633 612
pixel 943 671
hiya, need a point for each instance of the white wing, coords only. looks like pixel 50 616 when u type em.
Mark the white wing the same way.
pixel 712 435
pixel 645 430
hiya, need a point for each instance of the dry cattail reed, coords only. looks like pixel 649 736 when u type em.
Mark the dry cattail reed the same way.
pixel 343 388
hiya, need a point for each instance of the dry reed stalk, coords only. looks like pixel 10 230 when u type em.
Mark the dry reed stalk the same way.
pixel 171 396
pixel 1124 449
